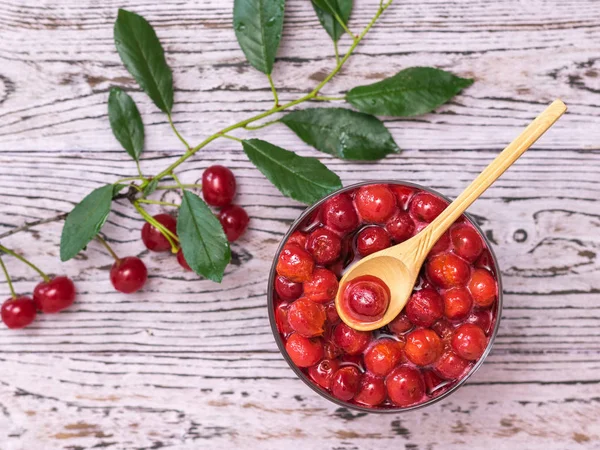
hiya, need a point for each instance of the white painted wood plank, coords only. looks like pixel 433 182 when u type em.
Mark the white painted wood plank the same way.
pixel 189 364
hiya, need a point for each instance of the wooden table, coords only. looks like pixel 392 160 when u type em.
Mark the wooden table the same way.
pixel 189 364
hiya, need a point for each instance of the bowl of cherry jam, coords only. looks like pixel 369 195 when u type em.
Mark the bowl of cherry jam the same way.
pixel 431 348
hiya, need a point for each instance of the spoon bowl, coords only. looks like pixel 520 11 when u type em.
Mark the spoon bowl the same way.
pixel 397 277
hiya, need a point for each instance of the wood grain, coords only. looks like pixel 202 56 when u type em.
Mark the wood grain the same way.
pixel 189 364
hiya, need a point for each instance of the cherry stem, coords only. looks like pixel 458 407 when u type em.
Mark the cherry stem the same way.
pixel 170 187
pixel 24 260
pixel 169 236
pixel 177 180
pixel 124 180
pixel 258 127
pixel 233 138
pixel 108 247
pixel 328 99
pixel 157 202
pixel 8 280
pixel 274 90
pixel 139 169
pixel 179 136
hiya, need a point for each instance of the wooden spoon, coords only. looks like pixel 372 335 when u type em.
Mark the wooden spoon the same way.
pixel 399 266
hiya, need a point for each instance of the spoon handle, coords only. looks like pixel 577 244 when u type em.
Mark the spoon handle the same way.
pixel 497 167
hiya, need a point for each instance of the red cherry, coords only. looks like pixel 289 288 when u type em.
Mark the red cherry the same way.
pixel 448 270
pixel 400 325
pixel 307 318
pixel 469 341
pixel 433 382
pixel 286 289
pixel 400 226
pixel 483 288
pixel 444 330
pixel 18 312
pixel 457 303
pixel 304 352
pixel 153 239
pixel 345 383
pixel 324 245
pixel 234 221
pixel 350 340
pixel 347 255
pixel 295 264
pixel 405 386
pixel 331 351
pixel 55 295
pixel 483 319
pixel 403 195
pixel 423 347
pixel 450 366
pixel 371 390
pixel 339 214
pixel 322 286
pixel 375 203
pixel 371 240
pixel 366 297
pixel 426 207
pixel 182 262
pixel 297 238
pixel 281 318
pixel 310 222
pixel 128 275
pixel 424 307
pixel 383 356
pixel 466 241
pixel 423 283
pixel 322 373
pixel 332 315
pixel 485 260
pixel 355 360
pixel 441 245
pixel 218 186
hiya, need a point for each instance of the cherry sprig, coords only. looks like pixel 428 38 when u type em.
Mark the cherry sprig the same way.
pixel 128 274
pixel 51 295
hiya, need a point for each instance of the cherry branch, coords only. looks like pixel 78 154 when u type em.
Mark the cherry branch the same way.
pixel 30 225
pixel 62 216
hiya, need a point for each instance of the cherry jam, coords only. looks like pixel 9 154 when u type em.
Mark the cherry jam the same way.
pixel 433 343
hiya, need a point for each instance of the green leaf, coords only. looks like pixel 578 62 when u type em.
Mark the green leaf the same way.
pixel 258 25
pixel 329 6
pixel 304 179
pixel 205 246
pixel 411 92
pixel 329 22
pixel 151 187
pixel 85 221
pixel 343 133
pixel 143 55
pixel 126 122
